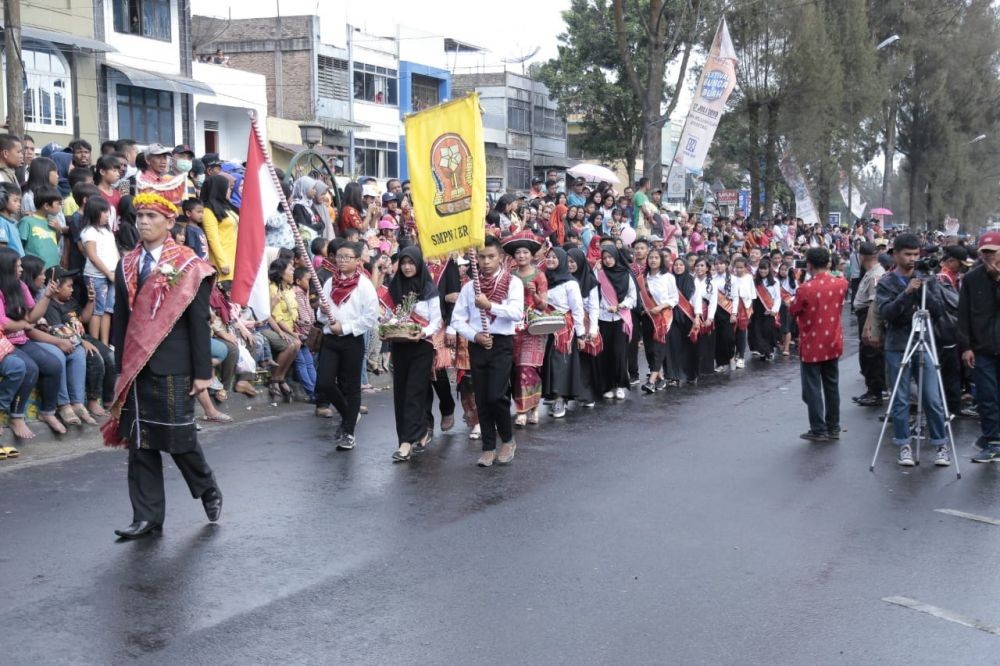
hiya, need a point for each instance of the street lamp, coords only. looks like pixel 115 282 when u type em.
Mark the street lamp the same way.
pixel 311 133
pixel 309 159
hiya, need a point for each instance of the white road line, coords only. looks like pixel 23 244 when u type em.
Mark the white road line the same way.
pixel 906 602
pixel 969 516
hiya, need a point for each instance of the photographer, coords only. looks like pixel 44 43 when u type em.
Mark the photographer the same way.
pixel 979 339
pixel 816 309
pixel 898 296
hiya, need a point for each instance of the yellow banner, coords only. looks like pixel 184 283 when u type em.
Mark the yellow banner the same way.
pixel 447 164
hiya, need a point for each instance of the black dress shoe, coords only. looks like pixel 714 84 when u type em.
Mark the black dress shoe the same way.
pixel 212 501
pixel 139 529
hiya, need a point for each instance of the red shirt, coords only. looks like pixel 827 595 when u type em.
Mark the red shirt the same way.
pixel 817 307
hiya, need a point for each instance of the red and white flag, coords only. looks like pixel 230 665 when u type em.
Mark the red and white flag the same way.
pixel 260 199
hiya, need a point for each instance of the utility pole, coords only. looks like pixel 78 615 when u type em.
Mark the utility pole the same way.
pixel 15 75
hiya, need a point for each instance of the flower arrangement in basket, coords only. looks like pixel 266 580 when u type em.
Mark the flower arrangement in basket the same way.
pixel 400 324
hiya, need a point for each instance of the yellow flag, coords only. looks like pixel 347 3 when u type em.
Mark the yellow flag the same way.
pixel 447 162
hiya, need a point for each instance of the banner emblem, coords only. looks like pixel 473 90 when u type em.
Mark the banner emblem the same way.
pixel 451 164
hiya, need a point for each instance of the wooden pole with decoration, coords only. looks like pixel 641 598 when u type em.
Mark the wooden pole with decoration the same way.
pixel 324 304
pixel 477 286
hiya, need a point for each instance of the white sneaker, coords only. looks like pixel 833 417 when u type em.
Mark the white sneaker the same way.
pixel 476 432
pixel 619 394
pixel 609 395
pixel 740 364
pixel 559 409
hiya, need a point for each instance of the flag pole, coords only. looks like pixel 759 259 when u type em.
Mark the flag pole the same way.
pixel 324 304
pixel 478 288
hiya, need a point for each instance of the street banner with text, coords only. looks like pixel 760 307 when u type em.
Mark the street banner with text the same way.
pixel 446 156
pixel 717 81
pixel 857 205
pixel 804 206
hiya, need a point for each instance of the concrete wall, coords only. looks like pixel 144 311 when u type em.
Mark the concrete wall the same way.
pixel 236 93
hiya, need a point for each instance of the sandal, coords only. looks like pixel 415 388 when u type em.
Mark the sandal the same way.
pixel 220 418
pixel 286 390
pixel 54 424
pixel 521 420
pixel 424 441
pixel 274 389
pixel 84 415
pixel 68 416
pixel 9 452
pixel 399 457
pixel 221 395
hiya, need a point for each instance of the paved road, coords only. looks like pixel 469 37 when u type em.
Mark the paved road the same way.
pixel 692 527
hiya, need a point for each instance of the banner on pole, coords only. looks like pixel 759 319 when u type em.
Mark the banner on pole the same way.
pixel 857 205
pixel 714 87
pixel 804 206
pixel 446 156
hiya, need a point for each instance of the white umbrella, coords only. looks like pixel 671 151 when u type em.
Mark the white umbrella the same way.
pixel 594 173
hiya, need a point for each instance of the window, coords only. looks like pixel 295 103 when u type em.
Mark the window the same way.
pixel 547 121
pixel 518 115
pixel 425 92
pixel 47 91
pixel 379 159
pixel 375 84
pixel 145 115
pixel 331 74
pixel 518 174
pixel 146 18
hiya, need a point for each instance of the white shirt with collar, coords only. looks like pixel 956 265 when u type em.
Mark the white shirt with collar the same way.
pixel 704 292
pixel 357 314
pixel 156 252
pixel 465 320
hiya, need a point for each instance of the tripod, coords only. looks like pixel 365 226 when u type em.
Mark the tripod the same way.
pixel 921 341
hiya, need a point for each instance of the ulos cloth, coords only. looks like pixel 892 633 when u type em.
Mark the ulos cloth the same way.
pixel 817 308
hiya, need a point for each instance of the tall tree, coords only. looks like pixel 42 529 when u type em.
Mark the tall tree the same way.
pixel 669 30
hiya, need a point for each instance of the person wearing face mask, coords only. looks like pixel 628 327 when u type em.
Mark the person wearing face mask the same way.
pixel 183 159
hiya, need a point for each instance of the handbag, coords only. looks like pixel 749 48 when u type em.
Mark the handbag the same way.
pixel 245 362
pixel 314 338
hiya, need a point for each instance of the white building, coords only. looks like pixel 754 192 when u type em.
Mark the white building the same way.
pixel 222 121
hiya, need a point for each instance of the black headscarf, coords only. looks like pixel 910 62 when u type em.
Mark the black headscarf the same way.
pixel 420 284
pixel 561 273
pixel 619 275
pixel 685 281
pixel 583 274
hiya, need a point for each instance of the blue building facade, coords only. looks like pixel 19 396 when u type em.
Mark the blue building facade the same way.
pixel 420 87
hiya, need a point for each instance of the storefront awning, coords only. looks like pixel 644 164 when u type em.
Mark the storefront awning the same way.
pixel 170 82
pixel 341 124
pixel 64 39
pixel 540 161
pixel 293 148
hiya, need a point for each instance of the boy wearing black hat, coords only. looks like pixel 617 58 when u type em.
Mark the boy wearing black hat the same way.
pixel 870 355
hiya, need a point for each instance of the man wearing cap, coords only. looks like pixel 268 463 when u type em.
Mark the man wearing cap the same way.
pixel 390 207
pixel 979 339
pixel 183 163
pixel 157 178
pixel 870 355
pixel 213 165
pixel 161 337
pixel 537 188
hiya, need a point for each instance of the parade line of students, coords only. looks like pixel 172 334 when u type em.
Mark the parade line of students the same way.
pixel 544 323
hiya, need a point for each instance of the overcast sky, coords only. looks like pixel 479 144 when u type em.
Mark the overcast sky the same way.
pixel 511 28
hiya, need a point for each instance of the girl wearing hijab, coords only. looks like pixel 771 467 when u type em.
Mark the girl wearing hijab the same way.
pixel 220 225
pixel 303 193
pixel 658 295
pixel 590 364
pixel 705 304
pixel 763 331
pixel 325 223
pixel 618 297
pixel 413 358
pixel 682 353
pixel 561 374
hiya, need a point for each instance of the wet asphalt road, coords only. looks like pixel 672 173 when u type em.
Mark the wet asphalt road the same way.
pixel 693 527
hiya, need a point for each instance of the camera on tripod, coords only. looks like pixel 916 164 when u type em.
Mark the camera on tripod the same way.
pixel 931 261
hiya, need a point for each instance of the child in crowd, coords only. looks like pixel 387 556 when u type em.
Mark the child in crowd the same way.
pixel 40 230
pixel 318 250
pixel 101 250
pixel 305 368
pixel 9 234
pixel 189 228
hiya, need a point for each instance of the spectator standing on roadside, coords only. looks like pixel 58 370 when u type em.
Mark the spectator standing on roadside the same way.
pixel 870 354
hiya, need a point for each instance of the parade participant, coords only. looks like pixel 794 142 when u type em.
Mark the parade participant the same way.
pixel 561 374
pixel 816 308
pixel 220 223
pixel 445 276
pixel 870 354
pixel 657 291
pixel 413 358
pixel 744 293
pixel 705 303
pixel 590 364
pixel 899 295
pixel 618 297
pixel 157 179
pixel 491 351
pixel 529 350
pixel 788 285
pixel 463 376
pixel 354 308
pixel 979 339
pixel 640 249
pixel 682 352
pixel 725 315
pixel 161 339
pixel 763 328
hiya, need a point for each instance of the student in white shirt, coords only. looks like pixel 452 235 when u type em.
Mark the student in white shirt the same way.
pixel 705 303
pixel 658 294
pixel 743 297
pixel 590 366
pixel 97 242
pixel 413 358
pixel 561 374
pixel 763 331
pixel 354 310
pixel 618 296
pixel 491 352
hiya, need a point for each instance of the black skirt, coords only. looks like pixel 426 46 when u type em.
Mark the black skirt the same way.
pixel 762 334
pixel 725 338
pixel 158 414
pixel 562 374
pixel 682 354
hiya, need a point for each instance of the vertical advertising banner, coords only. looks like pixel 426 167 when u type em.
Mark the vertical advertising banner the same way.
pixel 446 157
pixel 804 206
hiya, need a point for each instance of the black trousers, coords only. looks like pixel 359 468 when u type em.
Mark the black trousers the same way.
pixel 633 345
pixel 491 384
pixel 145 480
pixel 950 359
pixel 101 373
pixel 441 385
pixel 656 352
pixel 614 357
pixel 871 359
pixel 412 364
pixel 338 376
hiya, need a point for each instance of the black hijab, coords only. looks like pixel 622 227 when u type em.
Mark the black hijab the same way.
pixel 420 284
pixel 619 275
pixel 583 274
pixel 685 281
pixel 561 273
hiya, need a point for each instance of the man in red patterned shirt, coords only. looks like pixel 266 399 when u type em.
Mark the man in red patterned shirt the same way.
pixel 817 310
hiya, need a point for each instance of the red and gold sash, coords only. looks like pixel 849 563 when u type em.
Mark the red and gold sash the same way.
pixel 765 297
pixel 742 316
pixel 662 319
pixel 608 291
pixel 562 340
pixel 725 302
pixel 786 296
pixel 495 288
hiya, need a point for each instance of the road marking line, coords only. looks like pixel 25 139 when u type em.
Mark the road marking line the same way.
pixel 969 516
pixel 943 614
